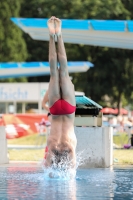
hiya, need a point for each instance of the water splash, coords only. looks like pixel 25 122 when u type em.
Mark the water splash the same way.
pixel 81 158
pixel 63 170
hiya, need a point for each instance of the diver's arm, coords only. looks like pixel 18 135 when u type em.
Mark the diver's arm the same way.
pixel 44 101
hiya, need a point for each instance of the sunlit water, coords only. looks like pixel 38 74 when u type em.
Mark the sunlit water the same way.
pixel 98 184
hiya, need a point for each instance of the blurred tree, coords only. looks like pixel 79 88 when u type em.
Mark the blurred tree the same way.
pixel 112 76
pixel 128 4
pixel 112 73
pixel 12 44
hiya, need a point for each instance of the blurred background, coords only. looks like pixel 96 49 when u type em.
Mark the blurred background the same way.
pixel 109 82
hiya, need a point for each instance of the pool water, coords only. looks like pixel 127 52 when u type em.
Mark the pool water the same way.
pixel 98 184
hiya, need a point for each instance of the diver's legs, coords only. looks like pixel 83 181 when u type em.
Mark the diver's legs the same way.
pixel 54 88
pixel 67 88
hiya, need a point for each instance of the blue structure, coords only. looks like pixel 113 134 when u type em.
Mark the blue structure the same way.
pixel 110 33
pixel 98 25
pixel 27 69
pixel 86 102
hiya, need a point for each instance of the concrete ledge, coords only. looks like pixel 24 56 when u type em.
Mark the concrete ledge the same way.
pixel 88 120
pixel 3 146
pixel 83 121
pixel 24 164
pixel 26 146
pixel 97 146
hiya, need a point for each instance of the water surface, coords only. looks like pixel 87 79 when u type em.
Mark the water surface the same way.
pixel 98 184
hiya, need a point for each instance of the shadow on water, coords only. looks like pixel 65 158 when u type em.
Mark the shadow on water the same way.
pixel 30 183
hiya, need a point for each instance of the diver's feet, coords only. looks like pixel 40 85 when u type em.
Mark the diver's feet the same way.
pixel 51 26
pixel 57 26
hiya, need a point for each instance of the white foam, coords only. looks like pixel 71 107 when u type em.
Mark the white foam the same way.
pixel 63 170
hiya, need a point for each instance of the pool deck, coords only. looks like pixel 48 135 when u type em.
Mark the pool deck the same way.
pixel 39 164
pixel 21 164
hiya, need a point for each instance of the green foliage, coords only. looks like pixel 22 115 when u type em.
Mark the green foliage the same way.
pixel 120 139
pixel 14 80
pixel 26 154
pixel 123 156
pixel 112 75
pixel 76 9
pixel 28 140
pixel 12 44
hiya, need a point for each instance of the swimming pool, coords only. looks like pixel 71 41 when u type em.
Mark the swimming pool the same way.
pixel 27 182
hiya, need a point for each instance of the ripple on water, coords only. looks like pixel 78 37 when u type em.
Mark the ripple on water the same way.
pixel 30 183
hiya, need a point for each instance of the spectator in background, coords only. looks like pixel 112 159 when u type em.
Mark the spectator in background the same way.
pixel 132 140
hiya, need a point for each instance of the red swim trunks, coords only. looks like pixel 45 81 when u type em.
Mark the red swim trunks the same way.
pixel 62 107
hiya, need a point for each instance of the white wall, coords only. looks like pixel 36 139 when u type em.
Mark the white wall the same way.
pixel 22 91
pixel 3 146
pixel 96 144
